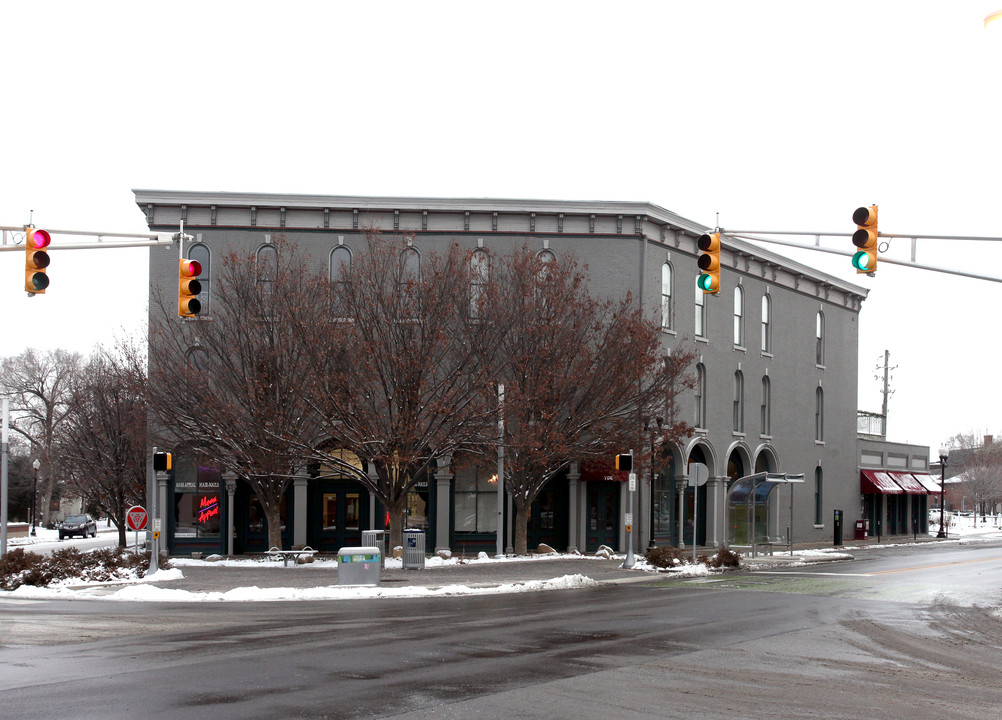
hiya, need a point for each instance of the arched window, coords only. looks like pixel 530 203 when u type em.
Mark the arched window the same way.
pixel 766 323
pixel 819 497
pixel 340 277
pixel 700 311
pixel 766 405
pixel 267 270
pixel 666 309
pixel 739 316
pixel 820 335
pixel 700 416
pixel 410 278
pixel 200 254
pixel 198 368
pixel 480 267
pixel 819 415
pixel 739 402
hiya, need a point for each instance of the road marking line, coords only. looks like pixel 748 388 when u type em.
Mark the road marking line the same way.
pixel 936 565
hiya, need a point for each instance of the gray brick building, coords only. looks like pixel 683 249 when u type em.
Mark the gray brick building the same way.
pixel 777 386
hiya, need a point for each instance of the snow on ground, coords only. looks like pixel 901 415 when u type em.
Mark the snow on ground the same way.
pixel 960 528
pixel 148 593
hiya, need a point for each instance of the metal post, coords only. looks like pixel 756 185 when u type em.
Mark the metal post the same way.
pixel 231 487
pixel 631 491
pixel 151 507
pixel 3 477
pixel 34 496
pixel 500 525
pixel 942 492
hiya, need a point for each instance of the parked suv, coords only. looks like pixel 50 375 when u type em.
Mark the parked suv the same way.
pixel 82 525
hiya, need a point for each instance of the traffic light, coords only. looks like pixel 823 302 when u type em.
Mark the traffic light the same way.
pixel 188 288
pixel 865 238
pixel 709 262
pixel 36 260
pixel 624 463
pixel 161 461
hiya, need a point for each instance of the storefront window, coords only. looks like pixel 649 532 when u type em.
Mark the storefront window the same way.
pixel 476 501
pixel 197 509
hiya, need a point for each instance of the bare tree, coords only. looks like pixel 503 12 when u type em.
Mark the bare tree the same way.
pixel 229 387
pixel 103 438
pixel 398 386
pixel 980 460
pixel 581 376
pixel 39 385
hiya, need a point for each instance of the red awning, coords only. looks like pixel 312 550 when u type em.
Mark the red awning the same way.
pixel 909 484
pixel 877 481
pixel 928 482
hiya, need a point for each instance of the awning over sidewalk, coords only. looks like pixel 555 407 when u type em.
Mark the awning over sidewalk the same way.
pixel 928 482
pixel 878 481
pixel 909 484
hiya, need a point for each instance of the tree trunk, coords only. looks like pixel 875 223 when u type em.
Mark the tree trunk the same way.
pixel 395 511
pixel 520 542
pixel 273 519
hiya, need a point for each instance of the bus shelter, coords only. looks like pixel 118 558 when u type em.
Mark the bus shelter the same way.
pixel 749 500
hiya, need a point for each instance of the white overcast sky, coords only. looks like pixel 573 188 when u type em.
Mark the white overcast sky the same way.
pixel 776 115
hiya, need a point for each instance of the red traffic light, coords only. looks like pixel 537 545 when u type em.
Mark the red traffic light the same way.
pixel 188 288
pixel 36 260
pixel 38 239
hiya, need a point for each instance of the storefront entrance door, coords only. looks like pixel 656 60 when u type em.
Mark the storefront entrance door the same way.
pixel 337 514
pixel 602 521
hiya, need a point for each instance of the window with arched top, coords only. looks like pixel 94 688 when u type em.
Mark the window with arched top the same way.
pixel 739 402
pixel 266 262
pixel 409 284
pixel 819 498
pixel 819 415
pixel 739 316
pixel 700 414
pixel 700 325
pixel 766 419
pixel 820 339
pixel 199 252
pixel 766 323
pixel 340 274
pixel 480 267
pixel 666 290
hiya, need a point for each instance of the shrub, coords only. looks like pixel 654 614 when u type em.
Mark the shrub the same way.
pixel 724 557
pixel 665 557
pixel 18 567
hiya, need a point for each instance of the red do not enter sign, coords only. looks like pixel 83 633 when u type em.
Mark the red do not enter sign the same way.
pixel 136 517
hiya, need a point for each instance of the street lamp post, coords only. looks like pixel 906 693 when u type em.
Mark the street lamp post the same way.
pixel 943 455
pixel 660 423
pixel 34 496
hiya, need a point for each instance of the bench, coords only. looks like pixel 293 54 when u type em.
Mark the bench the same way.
pixel 293 555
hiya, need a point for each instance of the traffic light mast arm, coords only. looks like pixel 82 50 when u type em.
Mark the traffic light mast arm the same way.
pixel 151 239
pixel 745 235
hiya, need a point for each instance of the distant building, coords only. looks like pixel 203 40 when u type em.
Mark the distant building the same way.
pixel 776 389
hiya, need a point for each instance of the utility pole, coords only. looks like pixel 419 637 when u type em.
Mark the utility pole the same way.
pixel 886 391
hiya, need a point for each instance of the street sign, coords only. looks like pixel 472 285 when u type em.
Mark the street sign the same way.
pixel 135 517
pixel 698 474
pixel 633 482
pixel 156 525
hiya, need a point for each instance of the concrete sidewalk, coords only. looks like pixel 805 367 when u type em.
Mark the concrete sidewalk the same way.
pixel 205 576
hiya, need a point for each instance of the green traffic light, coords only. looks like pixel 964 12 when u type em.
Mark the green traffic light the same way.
pixel 705 282
pixel 861 260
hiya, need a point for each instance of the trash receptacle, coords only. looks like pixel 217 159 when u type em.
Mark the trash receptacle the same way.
pixel 862 529
pixel 413 557
pixel 376 538
pixel 358 565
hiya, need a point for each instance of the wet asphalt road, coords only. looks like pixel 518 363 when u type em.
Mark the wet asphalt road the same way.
pixel 899 632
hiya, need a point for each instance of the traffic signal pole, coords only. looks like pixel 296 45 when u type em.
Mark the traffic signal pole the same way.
pixel 755 236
